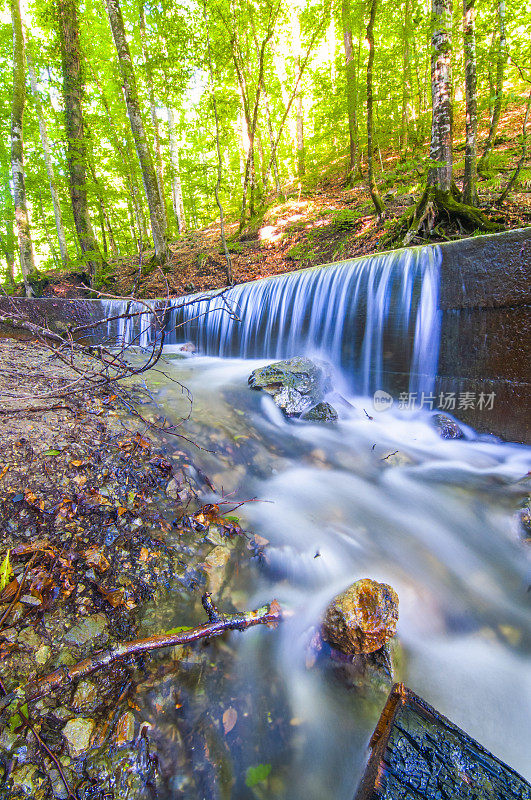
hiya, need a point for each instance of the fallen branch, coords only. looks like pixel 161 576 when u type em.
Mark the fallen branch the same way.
pixel 217 624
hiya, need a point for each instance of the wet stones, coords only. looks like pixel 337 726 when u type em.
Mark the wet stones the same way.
pixel 322 412
pixel 297 386
pixel 446 427
pixel 362 619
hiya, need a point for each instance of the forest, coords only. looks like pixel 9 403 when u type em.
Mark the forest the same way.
pixel 127 127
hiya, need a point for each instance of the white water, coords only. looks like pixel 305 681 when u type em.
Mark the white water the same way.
pixel 438 525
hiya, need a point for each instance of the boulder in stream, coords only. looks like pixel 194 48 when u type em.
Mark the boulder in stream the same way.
pixel 363 618
pixel 446 427
pixel 296 384
pixel 322 412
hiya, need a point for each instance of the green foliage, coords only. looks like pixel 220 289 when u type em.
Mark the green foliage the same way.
pixel 257 774
pixel 5 572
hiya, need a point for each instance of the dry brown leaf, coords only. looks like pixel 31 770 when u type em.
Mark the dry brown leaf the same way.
pixel 229 719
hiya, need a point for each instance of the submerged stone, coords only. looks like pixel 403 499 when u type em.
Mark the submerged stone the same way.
pixel 322 412
pixel 363 618
pixel 446 427
pixel 77 733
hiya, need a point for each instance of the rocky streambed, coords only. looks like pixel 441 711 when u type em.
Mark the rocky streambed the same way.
pixel 97 526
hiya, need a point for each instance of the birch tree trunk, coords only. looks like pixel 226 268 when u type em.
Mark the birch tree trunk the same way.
pixel 176 189
pixel 154 118
pixel 137 128
pixel 375 195
pixel 352 93
pixel 76 155
pixel 59 226
pixel 469 42
pixel 501 62
pixel 440 173
pixel 27 264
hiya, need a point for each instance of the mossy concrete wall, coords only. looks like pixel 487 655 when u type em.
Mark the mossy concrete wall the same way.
pixel 485 299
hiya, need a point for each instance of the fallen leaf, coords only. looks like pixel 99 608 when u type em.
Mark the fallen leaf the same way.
pixel 229 719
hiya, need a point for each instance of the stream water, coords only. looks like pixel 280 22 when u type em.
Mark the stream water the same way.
pixel 380 495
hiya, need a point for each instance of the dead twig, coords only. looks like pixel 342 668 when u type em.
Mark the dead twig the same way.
pixel 269 615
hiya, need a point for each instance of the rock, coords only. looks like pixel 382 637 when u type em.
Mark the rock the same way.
pixel 92 629
pixel 322 412
pixel 446 427
pixel 77 733
pixel 125 729
pixel 291 401
pixel 29 781
pixel 296 384
pixel 86 697
pixel 363 618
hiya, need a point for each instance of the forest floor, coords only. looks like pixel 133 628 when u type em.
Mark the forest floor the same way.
pixel 98 522
pixel 319 221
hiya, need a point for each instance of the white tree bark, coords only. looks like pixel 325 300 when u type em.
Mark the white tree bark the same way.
pixel 176 189
pixel 61 236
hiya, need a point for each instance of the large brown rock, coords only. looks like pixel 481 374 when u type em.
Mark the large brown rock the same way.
pixel 362 618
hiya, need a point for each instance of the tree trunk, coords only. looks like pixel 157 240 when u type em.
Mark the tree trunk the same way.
pixel 137 127
pixel 59 226
pixel 176 189
pixel 105 219
pixel 440 173
pixel 271 144
pixel 73 90
pixel 154 118
pixel 406 80
pixel 375 195
pixel 27 264
pixel 469 41
pixel 7 243
pixel 352 93
pixel 500 74
pixel 296 48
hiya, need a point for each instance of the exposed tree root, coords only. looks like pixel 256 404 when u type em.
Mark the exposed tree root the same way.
pixel 436 209
pixel 270 615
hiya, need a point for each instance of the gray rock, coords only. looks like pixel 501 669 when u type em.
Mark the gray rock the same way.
pixel 291 401
pixel 322 412
pixel 296 384
pixel 446 427
pixel 91 629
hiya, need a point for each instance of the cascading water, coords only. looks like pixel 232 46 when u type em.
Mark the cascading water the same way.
pixel 373 317
pixel 377 495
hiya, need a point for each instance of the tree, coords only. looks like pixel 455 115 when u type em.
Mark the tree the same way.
pixel 354 168
pixel 149 176
pixel 61 235
pixel 469 41
pixel 27 263
pixel 375 195
pixel 176 189
pixel 73 92
pixel 501 61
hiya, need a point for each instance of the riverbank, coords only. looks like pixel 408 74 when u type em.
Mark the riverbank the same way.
pixel 97 524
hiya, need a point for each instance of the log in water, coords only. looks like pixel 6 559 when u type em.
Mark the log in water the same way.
pixel 418 753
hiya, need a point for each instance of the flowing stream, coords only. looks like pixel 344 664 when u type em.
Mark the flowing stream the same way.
pixel 380 495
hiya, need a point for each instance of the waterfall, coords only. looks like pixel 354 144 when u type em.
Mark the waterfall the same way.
pixel 376 318
pixel 128 322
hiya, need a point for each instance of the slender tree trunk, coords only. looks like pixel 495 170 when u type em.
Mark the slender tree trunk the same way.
pixel 73 91
pixel 7 243
pixel 154 118
pixel 228 261
pixel 137 128
pixel 521 160
pixel 406 80
pixel 375 195
pixel 469 41
pixel 27 264
pixel 498 100
pixel 352 93
pixel 105 219
pixel 59 226
pixel 296 48
pixel 176 193
pixel 271 144
pixel 440 173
